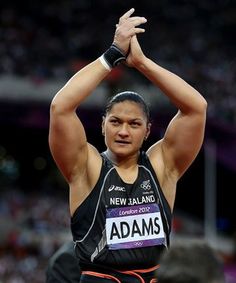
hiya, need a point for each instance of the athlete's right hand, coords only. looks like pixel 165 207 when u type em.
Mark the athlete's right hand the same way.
pixel 126 28
pixel 136 56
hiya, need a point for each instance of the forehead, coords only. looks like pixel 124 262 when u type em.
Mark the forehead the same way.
pixel 127 108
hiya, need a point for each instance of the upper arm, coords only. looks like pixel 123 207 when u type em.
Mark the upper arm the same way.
pixel 183 140
pixel 181 143
pixel 67 142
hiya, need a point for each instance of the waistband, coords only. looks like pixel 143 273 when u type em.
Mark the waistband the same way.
pixel 118 276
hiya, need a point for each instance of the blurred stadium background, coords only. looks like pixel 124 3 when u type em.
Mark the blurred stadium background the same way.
pixel 42 44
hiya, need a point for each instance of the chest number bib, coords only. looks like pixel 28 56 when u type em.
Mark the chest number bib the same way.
pixel 134 227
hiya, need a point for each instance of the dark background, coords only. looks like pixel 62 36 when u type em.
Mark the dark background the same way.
pixel 48 41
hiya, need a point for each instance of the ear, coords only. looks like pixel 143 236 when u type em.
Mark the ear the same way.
pixel 148 131
pixel 103 126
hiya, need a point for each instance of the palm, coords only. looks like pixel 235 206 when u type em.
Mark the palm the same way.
pixel 127 27
pixel 135 53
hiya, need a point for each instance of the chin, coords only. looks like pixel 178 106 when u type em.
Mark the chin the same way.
pixel 123 152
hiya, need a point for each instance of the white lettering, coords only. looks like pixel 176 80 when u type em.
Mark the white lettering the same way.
pixel 144 199
pixel 118 201
pixel 116 188
pixel 128 212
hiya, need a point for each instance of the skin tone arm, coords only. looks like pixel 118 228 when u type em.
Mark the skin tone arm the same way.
pixel 184 136
pixel 77 160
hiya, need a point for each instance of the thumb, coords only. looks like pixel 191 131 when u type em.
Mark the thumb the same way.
pixel 134 44
pixel 134 39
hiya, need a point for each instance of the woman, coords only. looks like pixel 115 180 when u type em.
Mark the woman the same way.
pixel 121 200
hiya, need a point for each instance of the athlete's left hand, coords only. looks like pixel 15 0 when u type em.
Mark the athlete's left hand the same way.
pixel 126 28
pixel 136 55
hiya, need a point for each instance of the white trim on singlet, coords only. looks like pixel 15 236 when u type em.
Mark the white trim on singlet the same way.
pixel 102 187
pixel 157 189
pixel 98 202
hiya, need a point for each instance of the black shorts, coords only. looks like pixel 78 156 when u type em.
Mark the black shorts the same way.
pixel 140 276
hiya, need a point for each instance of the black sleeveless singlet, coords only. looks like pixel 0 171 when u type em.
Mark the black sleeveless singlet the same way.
pixel 122 226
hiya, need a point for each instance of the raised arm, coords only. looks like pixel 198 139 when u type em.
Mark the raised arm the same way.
pixel 184 135
pixel 67 138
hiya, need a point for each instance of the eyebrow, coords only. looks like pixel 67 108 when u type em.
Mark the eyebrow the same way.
pixel 130 120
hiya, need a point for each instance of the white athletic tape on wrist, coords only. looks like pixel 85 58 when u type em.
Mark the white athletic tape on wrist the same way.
pixel 104 63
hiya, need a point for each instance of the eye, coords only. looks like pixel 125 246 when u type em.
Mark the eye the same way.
pixel 114 122
pixel 135 124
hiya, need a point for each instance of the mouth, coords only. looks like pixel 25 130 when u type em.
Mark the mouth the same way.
pixel 122 142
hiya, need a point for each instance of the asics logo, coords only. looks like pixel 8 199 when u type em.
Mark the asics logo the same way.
pixel 116 188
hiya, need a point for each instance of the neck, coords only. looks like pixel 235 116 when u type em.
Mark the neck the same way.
pixel 121 161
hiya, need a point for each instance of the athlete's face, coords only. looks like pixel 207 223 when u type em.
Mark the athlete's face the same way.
pixel 125 128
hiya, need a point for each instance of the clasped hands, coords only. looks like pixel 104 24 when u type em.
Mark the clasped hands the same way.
pixel 125 37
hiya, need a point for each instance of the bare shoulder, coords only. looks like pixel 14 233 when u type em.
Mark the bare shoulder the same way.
pixel 82 186
pixel 166 178
pixel 156 158
pixel 158 154
pixel 94 160
pixel 88 171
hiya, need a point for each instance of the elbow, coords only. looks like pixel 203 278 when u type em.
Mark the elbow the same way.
pixel 59 106
pixel 196 107
pixel 55 107
pixel 201 110
pixel 200 105
pixel 203 105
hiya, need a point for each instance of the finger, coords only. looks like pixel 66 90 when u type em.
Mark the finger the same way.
pixel 134 21
pixel 135 31
pixel 131 25
pixel 134 18
pixel 138 30
pixel 127 14
pixel 137 20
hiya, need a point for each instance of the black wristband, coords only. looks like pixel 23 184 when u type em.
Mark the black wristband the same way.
pixel 114 56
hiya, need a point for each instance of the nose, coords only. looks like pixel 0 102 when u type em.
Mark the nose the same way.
pixel 123 132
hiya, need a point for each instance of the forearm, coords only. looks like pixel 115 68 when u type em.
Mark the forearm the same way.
pixel 80 86
pixel 180 93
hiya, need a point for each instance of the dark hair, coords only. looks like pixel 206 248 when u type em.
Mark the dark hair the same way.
pixel 192 261
pixel 130 96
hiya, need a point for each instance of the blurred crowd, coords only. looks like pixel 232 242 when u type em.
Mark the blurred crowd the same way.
pixel 193 38
pixel 41 41
pixel 32 226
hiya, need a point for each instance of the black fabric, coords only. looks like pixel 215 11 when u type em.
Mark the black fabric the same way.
pixel 165 206
pixel 114 56
pixel 88 222
pixel 124 278
pixel 63 266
